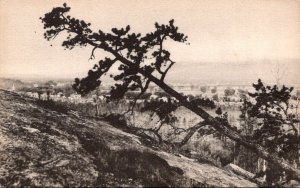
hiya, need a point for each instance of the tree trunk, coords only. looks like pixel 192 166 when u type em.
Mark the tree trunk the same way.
pixel 97 110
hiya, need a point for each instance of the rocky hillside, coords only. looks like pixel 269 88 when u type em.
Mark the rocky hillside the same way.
pixel 43 145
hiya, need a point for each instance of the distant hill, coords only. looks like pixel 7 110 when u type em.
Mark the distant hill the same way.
pixel 7 83
pixel 44 147
pixel 234 73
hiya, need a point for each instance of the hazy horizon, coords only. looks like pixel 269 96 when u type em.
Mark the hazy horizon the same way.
pixel 202 75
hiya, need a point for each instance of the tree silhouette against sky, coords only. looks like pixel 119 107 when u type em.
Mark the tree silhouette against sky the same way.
pixel 141 60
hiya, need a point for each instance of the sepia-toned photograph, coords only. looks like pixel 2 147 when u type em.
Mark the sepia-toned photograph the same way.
pixel 149 93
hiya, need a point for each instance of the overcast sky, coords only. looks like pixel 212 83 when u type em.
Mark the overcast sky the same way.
pixel 222 32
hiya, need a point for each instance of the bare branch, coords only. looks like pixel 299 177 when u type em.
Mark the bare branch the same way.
pixel 166 71
pixel 191 132
pixel 92 54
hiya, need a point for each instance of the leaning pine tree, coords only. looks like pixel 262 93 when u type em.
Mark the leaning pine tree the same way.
pixel 139 58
